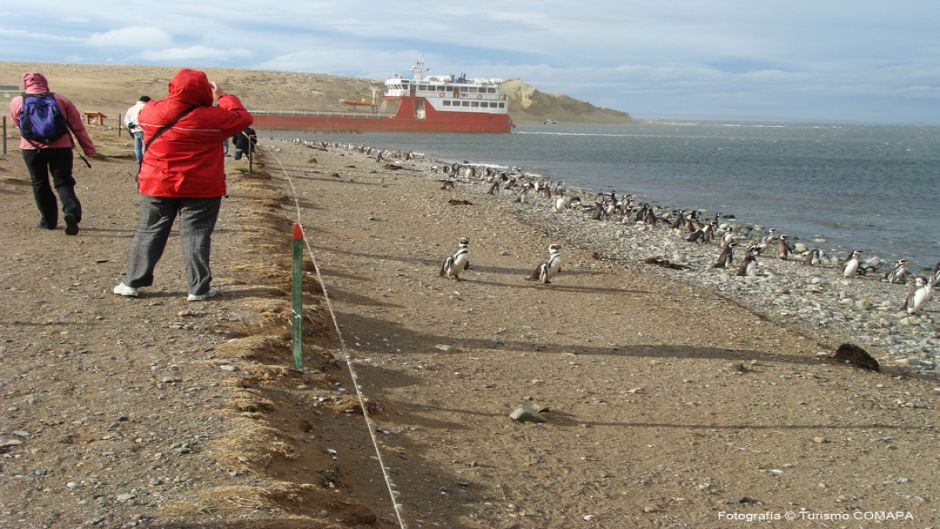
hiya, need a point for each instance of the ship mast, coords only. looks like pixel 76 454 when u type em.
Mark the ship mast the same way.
pixel 418 69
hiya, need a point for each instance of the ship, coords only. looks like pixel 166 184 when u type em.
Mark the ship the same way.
pixel 420 104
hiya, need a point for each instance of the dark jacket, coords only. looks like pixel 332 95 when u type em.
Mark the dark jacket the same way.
pixel 241 139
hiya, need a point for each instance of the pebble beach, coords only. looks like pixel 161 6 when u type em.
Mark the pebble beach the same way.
pixel 817 300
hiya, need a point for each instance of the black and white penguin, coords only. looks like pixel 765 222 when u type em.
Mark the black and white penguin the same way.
pixel 728 237
pixel 851 266
pixel 783 249
pixel 899 274
pixel 458 262
pixel 749 265
pixel 727 256
pixel 936 273
pixel 544 272
pixel 766 240
pixel 918 296
pixel 812 258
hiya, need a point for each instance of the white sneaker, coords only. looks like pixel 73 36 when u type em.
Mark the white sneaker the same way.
pixel 123 290
pixel 202 297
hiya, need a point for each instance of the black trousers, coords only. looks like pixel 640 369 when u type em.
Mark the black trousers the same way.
pixel 58 162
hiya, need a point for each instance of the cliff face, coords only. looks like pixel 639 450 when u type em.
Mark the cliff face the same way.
pixel 527 104
pixel 112 89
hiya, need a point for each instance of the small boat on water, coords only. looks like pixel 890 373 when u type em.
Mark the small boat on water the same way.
pixel 549 122
pixel 419 104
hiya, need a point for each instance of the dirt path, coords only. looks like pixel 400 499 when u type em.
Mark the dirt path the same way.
pixel 665 405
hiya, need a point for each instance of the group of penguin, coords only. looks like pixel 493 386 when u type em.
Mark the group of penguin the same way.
pixel 460 261
pixel 609 205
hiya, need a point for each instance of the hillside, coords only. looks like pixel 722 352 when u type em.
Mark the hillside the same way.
pixel 111 89
pixel 527 103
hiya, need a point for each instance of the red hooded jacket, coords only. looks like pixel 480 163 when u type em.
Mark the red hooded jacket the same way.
pixel 187 160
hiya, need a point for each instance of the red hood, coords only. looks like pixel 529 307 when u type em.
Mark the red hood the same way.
pixel 191 87
pixel 35 83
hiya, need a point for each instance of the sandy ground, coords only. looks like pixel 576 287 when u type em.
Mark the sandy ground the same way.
pixel 666 405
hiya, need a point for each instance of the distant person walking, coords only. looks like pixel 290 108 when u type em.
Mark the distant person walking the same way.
pixel 245 143
pixel 182 174
pixel 130 121
pixel 44 120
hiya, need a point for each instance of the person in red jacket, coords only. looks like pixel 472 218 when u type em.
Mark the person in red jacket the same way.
pixel 53 157
pixel 182 174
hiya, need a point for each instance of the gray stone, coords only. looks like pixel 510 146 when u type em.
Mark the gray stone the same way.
pixel 523 413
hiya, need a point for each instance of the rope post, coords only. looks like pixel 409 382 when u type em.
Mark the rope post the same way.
pixel 4 135
pixel 298 296
pixel 119 125
pixel 250 155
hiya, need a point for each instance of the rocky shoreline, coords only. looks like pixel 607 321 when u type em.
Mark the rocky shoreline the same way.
pixel 817 300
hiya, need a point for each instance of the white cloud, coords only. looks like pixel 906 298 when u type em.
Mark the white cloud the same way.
pixel 132 37
pixel 194 54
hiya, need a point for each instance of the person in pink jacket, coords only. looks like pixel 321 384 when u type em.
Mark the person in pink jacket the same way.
pixel 182 174
pixel 54 156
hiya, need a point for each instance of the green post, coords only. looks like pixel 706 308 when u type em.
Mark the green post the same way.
pixel 298 297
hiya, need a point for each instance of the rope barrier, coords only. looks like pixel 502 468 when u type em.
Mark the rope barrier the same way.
pixel 370 426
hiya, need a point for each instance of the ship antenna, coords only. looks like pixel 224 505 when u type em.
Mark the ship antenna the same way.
pixel 418 68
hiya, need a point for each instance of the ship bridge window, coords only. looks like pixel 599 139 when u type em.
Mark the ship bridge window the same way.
pixel 491 90
pixel 422 87
pixel 466 103
pixel 475 104
pixel 447 102
pixel 502 105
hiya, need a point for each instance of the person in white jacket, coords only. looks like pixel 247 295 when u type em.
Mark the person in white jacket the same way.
pixel 130 121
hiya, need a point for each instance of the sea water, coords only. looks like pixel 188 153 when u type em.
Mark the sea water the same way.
pixel 832 186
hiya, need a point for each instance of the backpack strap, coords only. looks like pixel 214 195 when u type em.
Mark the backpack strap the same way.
pixel 164 128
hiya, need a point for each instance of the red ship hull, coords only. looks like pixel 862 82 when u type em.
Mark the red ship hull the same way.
pixel 405 120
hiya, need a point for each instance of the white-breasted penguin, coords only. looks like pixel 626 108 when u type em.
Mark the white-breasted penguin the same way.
pixel 749 265
pixel 851 266
pixel 458 262
pixel 899 274
pixel 550 267
pixel 727 256
pixel 728 237
pixel 918 296
pixel 812 258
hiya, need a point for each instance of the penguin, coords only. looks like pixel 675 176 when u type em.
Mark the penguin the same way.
pixel 783 249
pixel 447 184
pixel 899 274
pixel 936 273
pixel 918 296
pixel 766 240
pixel 727 256
pixel 549 267
pixel 749 265
pixel 812 258
pixel 851 266
pixel 458 262
pixel 727 238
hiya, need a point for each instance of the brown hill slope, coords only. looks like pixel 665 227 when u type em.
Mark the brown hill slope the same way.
pixel 529 104
pixel 112 89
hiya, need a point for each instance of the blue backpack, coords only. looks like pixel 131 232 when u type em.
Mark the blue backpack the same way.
pixel 41 120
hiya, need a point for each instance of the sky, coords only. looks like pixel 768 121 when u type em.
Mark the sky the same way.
pixel 749 60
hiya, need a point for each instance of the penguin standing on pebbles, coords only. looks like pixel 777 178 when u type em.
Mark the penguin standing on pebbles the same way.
pixel 749 265
pixel 783 249
pixel 549 267
pixel 727 256
pixel 851 266
pixel 918 296
pixel 458 262
pixel 812 258
pixel 899 274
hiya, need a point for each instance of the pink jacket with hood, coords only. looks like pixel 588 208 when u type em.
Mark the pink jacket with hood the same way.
pixel 187 160
pixel 36 83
